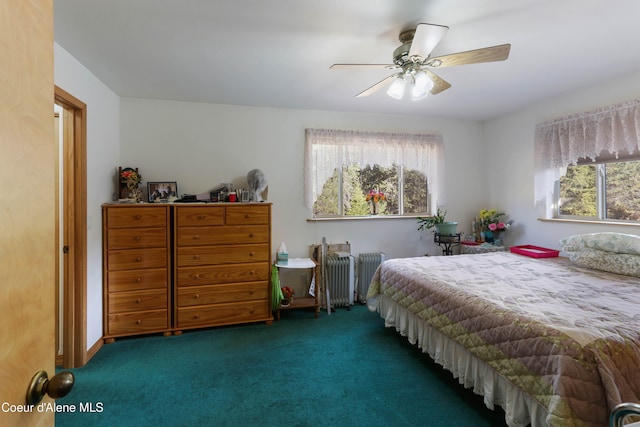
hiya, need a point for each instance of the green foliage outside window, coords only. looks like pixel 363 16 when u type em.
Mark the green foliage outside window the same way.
pixel 618 192
pixel 357 182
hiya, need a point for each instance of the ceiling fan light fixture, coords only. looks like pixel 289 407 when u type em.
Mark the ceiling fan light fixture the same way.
pixel 421 87
pixel 396 90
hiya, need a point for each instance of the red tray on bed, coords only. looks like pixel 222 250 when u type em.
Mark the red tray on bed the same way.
pixel 535 251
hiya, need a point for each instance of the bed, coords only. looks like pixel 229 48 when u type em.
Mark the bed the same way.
pixel 552 341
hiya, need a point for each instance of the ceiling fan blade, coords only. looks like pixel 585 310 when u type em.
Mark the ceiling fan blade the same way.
pixel 439 84
pixel 487 54
pixel 360 66
pixel 382 83
pixel 426 37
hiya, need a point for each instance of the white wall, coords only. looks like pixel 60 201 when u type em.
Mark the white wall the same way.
pixel 203 145
pixel 103 130
pixel 509 140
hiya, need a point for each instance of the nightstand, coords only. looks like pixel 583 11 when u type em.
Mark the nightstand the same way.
pixel 308 301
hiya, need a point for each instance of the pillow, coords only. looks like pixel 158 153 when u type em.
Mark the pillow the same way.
pixel 611 242
pixel 612 262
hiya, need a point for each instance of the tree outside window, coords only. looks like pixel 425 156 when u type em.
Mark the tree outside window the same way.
pixel 601 191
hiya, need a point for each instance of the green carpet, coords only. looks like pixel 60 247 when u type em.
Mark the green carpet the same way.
pixel 339 370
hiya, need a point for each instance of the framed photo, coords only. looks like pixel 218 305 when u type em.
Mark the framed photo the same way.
pixel 165 191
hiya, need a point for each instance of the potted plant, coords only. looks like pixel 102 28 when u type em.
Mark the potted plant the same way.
pixel 438 222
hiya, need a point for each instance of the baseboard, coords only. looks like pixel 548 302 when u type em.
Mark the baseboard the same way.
pixel 93 350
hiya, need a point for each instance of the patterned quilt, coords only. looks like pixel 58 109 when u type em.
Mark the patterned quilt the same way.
pixel 568 336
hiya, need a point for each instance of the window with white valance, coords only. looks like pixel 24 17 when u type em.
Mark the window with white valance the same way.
pixel 331 150
pixel 608 134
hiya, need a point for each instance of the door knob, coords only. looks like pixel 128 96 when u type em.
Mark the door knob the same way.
pixel 58 386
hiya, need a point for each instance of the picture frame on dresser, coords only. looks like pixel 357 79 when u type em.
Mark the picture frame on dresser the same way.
pixel 162 191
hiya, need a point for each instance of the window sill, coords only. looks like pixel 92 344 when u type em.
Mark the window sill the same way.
pixel 590 221
pixel 365 218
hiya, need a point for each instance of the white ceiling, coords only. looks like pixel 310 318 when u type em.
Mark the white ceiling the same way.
pixel 277 53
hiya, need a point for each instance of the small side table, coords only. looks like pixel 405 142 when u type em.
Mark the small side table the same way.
pixel 306 301
pixel 447 242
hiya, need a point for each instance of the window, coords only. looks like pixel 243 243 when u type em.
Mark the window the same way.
pixel 342 167
pixel 604 191
pixel 586 165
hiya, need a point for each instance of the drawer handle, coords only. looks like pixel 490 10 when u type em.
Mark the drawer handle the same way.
pixel 252 253
pixel 138 259
pixel 196 237
pixel 196 276
pixel 138 301
pixel 197 296
pixel 196 257
pixel 138 322
pixel 196 316
pixel 137 238
pixel 139 279
pixel 250 234
pixel 251 273
pixel 247 216
pixel 138 216
pixel 201 216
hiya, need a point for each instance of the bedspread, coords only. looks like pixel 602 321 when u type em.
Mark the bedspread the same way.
pixel 569 337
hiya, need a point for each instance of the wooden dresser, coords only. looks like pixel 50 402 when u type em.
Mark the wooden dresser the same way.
pixel 136 270
pixel 222 258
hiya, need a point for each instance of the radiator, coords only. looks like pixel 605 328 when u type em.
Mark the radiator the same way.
pixel 340 276
pixel 367 265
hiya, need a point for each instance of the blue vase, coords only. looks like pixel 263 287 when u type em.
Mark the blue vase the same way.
pixel 488 236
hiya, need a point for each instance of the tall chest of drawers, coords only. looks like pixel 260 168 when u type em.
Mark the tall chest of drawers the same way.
pixel 222 256
pixel 136 273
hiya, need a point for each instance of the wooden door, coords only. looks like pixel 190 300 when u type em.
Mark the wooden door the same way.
pixel 27 221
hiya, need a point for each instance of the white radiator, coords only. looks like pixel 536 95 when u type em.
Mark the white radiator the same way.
pixel 340 276
pixel 367 265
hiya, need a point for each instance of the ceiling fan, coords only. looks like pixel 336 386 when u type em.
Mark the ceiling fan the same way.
pixel 414 63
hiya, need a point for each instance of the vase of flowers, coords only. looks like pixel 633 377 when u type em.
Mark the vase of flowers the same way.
pixel 287 294
pixel 129 181
pixel 491 224
pixel 374 197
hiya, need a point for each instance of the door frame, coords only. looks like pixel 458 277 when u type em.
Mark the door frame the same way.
pixel 74 233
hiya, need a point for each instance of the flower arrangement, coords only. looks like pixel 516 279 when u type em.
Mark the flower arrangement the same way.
pixel 287 292
pixel 130 175
pixel 490 219
pixel 375 196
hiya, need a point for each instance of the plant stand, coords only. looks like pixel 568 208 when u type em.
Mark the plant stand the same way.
pixel 447 241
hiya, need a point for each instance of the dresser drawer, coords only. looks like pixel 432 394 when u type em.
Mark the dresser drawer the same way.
pixel 197 216
pixel 223 314
pixel 120 302
pixel 202 236
pixel 247 215
pixel 130 259
pixel 147 216
pixel 133 238
pixel 137 322
pixel 215 294
pixel 216 274
pixel 229 254
pixel 133 280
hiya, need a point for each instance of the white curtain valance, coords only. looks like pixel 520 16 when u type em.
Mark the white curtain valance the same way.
pixel 611 132
pixel 343 147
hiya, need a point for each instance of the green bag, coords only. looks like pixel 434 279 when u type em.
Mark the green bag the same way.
pixel 276 292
